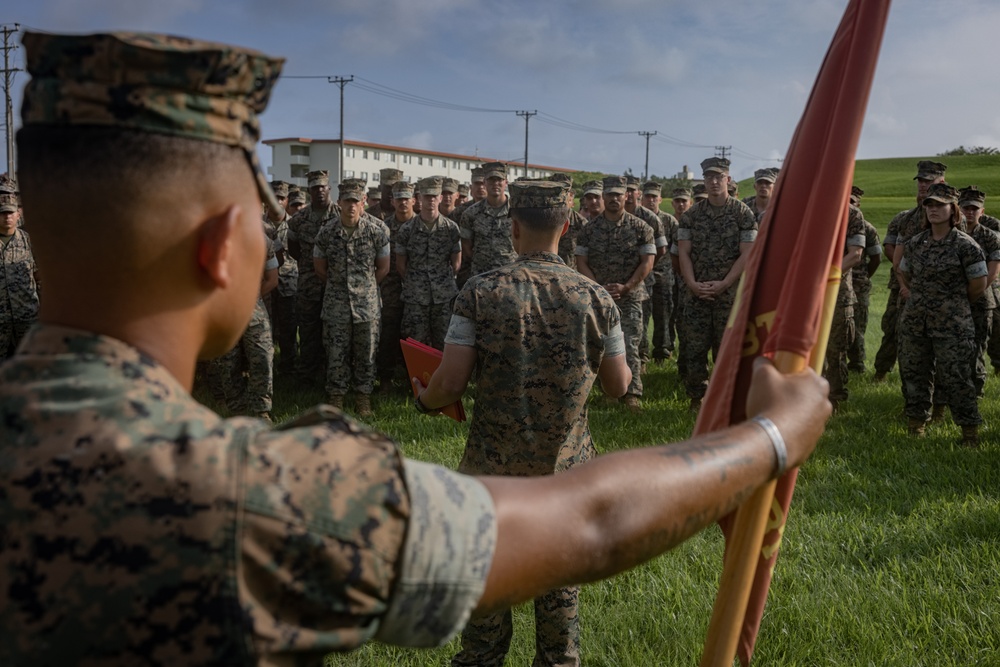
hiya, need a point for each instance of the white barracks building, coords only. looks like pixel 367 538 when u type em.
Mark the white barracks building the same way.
pixel 293 158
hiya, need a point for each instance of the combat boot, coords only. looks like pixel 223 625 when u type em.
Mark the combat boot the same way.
pixel 937 414
pixel 970 436
pixel 916 427
pixel 336 400
pixel 363 405
pixel 266 416
pixel 632 404
pixel 878 377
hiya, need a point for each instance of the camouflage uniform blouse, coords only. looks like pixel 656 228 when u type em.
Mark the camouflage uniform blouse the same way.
pixel 715 233
pixel 614 249
pixel 989 241
pixel 302 228
pixel 855 238
pixel 430 277
pixel 391 287
pixel 18 290
pixel 288 272
pixel 488 229
pixel 139 527
pixel 939 273
pixel 567 242
pixel 351 293
pixel 873 248
pixel 541 331
pixel 901 229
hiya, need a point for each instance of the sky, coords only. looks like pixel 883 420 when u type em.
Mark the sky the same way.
pixel 700 74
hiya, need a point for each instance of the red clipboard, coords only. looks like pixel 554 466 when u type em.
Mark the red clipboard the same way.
pixel 421 362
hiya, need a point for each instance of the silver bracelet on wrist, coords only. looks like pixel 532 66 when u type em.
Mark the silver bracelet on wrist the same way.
pixel 778 442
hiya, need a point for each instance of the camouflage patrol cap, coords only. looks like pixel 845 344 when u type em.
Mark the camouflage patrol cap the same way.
pixel 8 185
pixel 593 188
pixel 716 164
pixel 537 194
pixel 478 175
pixel 464 189
pixel 652 188
pixel 430 186
pixel 971 196
pixel 681 193
pixel 560 177
pixel 352 188
pixel 495 170
pixel 928 170
pixel 318 177
pixel 766 174
pixel 374 192
pixel 943 193
pixel 296 197
pixel 280 189
pixel 153 83
pixel 402 190
pixel 631 183
pixel 389 176
pixel 614 184
pixel 449 185
pixel 856 194
pixel 699 192
pixel 9 203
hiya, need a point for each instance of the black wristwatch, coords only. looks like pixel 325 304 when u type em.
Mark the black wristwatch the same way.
pixel 423 409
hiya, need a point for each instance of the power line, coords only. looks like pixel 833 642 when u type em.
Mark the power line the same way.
pixel 8 81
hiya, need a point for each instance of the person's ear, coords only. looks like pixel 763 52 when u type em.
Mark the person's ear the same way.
pixel 217 246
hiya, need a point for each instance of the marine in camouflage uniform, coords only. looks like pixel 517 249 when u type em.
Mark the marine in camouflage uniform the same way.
pixel 943 267
pixel 842 327
pixel 485 226
pixel 428 254
pixel 284 328
pixel 861 279
pixel 383 208
pixel 302 231
pixel 541 331
pixel 449 195
pixel 662 298
pixel 763 185
pixel 993 344
pixel 681 200
pixel 713 237
pixel 18 288
pixel 632 205
pixel 389 359
pixel 971 200
pixel 901 228
pixel 616 249
pixel 353 257
pixel 567 242
pixel 477 193
pixel 141 528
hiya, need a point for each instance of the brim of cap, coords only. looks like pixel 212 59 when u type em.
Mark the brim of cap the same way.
pixel 433 192
pixel 700 197
pixel 8 208
pixel 926 176
pixel 593 191
pixel 619 191
pixel 681 197
pixel 402 195
pixel 263 185
pixel 971 202
pixel 766 179
pixel 717 170
pixel 943 200
pixel 492 174
pixel 315 183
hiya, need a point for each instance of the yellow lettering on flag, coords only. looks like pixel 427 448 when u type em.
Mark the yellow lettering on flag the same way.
pixel 756 333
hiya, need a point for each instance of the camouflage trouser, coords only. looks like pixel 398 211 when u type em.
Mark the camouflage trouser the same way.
pixel 426 323
pixel 224 378
pixel 993 347
pixel 675 320
pixel 647 312
pixel 311 353
pixel 856 350
pixel 486 639
pixel 285 329
pixel 982 318
pixel 885 358
pixel 390 356
pixel 663 310
pixel 841 333
pixel 948 362
pixel 258 351
pixel 11 333
pixel 631 311
pixel 350 353
pixel 701 329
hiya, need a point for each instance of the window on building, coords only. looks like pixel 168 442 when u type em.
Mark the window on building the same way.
pixel 300 170
pixel 364 176
pixel 406 159
pixel 348 173
pixel 420 160
pixel 376 156
pixel 299 149
pixel 376 177
pixel 364 154
pixel 390 157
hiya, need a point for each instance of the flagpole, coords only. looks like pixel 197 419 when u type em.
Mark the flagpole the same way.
pixel 747 538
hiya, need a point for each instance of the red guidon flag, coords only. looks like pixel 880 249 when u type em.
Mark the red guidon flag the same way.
pixel 785 304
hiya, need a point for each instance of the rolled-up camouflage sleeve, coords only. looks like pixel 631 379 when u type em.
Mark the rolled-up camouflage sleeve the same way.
pixel 445 559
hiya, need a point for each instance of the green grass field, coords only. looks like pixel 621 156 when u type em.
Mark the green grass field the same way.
pixel 891 555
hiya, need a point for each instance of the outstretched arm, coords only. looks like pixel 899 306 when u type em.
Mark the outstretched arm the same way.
pixel 619 510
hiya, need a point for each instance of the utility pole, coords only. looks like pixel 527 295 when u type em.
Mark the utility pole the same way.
pixel 527 115
pixel 8 81
pixel 645 172
pixel 723 151
pixel 341 81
